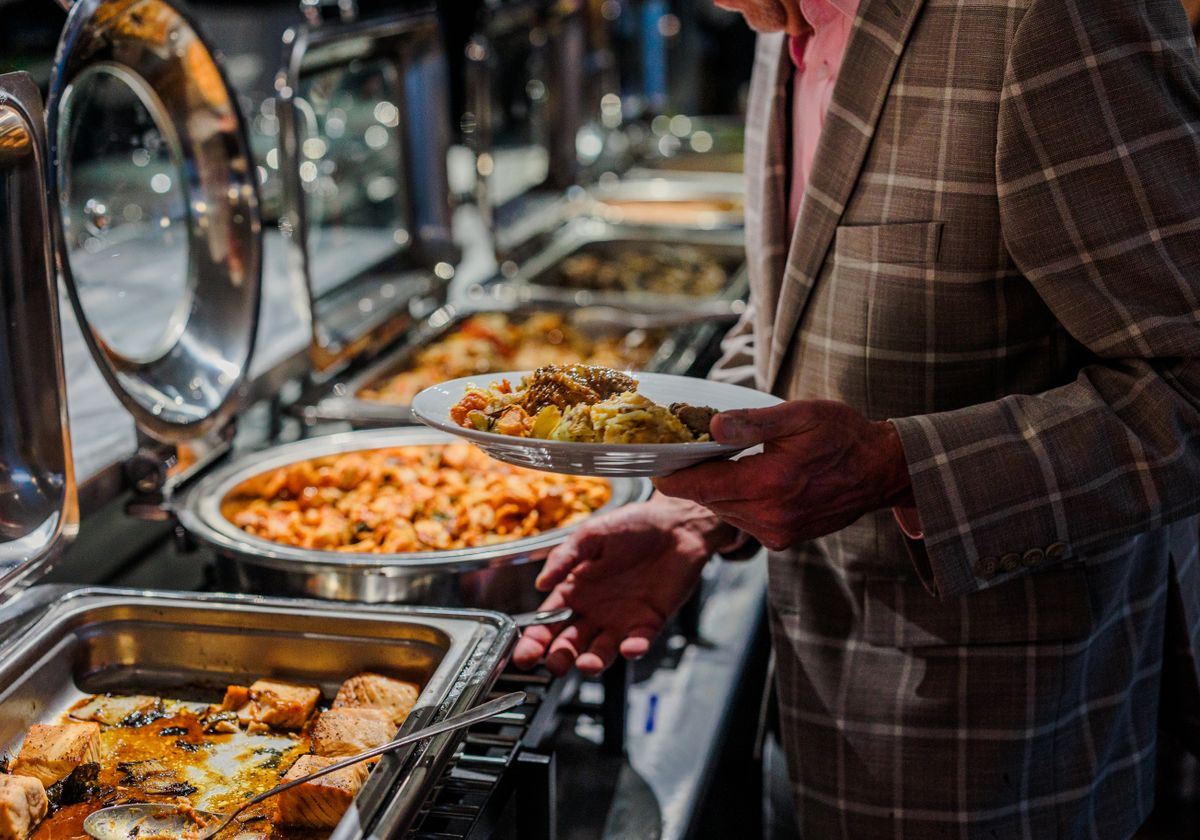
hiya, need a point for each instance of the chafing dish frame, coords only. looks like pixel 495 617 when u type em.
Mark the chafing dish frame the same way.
pixel 105 630
pixel 500 571
pixel 427 261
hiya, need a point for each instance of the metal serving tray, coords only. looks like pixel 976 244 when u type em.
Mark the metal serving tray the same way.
pixel 497 576
pixel 726 246
pixel 341 403
pixel 639 195
pixel 189 647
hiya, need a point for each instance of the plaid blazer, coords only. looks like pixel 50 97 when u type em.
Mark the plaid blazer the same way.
pixel 999 249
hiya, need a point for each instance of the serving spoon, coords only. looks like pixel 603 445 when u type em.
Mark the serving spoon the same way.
pixel 170 820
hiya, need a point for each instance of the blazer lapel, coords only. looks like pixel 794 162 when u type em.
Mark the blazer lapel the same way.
pixel 766 195
pixel 874 51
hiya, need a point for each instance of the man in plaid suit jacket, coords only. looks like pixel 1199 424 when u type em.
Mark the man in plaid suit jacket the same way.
pixel 989 312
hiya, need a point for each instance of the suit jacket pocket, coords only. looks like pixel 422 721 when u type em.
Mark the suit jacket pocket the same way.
pixel 1050 606
pixel 903 243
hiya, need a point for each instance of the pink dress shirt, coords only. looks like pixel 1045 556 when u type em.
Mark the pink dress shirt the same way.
pixel 817 57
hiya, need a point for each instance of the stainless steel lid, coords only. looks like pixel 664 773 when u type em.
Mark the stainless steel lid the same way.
pixel 159 232
pixel 364 132
pixel 37 486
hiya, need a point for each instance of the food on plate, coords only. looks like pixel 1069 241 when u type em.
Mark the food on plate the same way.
pixel 319 803
pixel 579 403
pixel 272 703
pixel 405 499
pixel 395 698
pixel 347 731
pixel 23 803
pixel 51 751
pixel 494 342
pixel 203 756
pixel 658 268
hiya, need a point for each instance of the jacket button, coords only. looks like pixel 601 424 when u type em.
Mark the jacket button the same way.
pixel 1056 551
pixel 985 568
pixel 1010 561
pixel 1033 557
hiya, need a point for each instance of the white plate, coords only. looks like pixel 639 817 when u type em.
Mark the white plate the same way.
pixel 432 407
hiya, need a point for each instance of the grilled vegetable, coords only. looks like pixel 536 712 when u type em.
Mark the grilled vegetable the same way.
pixel 120 710
pixel 153 778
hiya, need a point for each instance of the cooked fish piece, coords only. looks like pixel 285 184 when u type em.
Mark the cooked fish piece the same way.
pixel 52 751
pixel 375 691
pixel 22 805
pixel 272 703
pixel 118 710
pixel 321 802
pixel 345 731
pixel 154 778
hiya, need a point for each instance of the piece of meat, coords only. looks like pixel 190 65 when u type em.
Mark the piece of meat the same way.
pixel 52 751
pixel 272 703
pixel 698 418
pixel 321 802
pixel 118 710
pixel 22 805
pixel 375 691
pixel 567 385
pixel 346 731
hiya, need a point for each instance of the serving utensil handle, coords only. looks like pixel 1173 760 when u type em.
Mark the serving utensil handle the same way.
pixel 475 715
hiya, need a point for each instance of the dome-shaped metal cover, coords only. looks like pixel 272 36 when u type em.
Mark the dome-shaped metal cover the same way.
pixel 157 216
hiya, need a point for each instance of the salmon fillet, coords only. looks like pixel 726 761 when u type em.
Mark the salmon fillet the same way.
pixel 321 802
pixel 272 703
pixel 346 731
pixel 52 751
pixel 375 691
pixel 22 805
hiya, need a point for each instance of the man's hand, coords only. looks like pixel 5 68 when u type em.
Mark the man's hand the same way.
pixel 824 465
pixel 624 575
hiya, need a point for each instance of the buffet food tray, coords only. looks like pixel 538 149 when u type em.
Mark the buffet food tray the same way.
pixel 497 576
pixel 340 402
pixel 606 240
pixel 190 646
pixel 666 202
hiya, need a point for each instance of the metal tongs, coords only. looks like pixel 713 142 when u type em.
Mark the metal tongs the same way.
pixel 171 820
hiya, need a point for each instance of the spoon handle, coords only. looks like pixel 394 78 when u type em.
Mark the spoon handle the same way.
pixel 474 715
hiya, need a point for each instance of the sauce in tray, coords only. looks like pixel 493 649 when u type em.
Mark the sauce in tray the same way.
pixel 212 771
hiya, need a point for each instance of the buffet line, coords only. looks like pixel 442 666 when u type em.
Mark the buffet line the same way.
pixel 386 567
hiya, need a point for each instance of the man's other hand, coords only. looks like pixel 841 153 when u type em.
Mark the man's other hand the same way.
pixel 624 575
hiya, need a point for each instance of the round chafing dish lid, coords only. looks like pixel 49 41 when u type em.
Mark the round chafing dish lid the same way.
pixel 37 489
pixel 158 221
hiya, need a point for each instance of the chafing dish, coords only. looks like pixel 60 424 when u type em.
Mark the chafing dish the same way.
pixel 56 642
pixel 499 575
pixel 190 647
pixel 676 352
pixel 665 202
pixel 608 241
